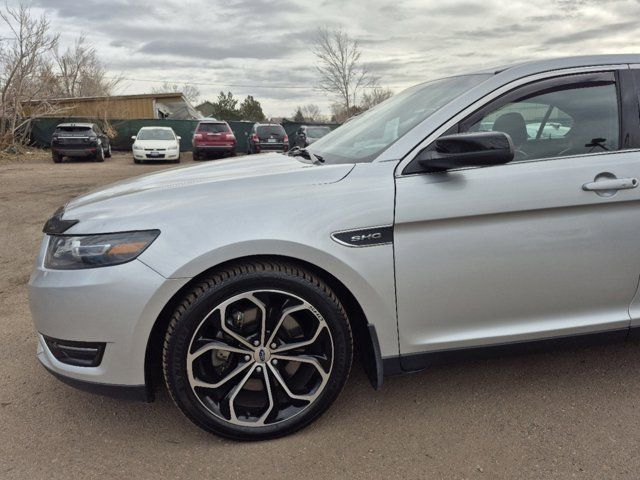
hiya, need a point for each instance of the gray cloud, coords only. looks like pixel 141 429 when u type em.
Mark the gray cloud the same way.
pixel 257 46
pixel 94 10
pixel 593 33
pixel 213 51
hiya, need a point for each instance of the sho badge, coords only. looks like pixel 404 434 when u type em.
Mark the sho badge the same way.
pixel 365 237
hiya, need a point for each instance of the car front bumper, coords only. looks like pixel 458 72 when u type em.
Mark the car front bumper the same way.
pixel 166 156
pixel 116 306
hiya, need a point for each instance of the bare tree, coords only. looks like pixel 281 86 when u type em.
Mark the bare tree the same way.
pixel 312 113
pixel 339 67
pixel 374 96
pixel 81 73
pixel 339 114
pixel 20 63
pixel 190 92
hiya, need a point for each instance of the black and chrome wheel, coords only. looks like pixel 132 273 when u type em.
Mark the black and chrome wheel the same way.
pixel 107 153
pixel 257 351
pixel 99 154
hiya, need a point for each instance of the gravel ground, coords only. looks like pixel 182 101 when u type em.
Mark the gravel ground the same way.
pixel 565 414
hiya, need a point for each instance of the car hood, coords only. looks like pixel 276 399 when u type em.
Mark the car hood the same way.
pixel 156 143
pixel 258 172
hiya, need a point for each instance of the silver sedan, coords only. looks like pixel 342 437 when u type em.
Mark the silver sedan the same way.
pixel 444 223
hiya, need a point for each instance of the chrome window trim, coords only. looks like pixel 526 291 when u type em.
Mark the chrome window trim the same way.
pixel 480 103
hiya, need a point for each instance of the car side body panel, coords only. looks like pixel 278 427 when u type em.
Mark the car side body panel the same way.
pixel 515 252
pixel 292 215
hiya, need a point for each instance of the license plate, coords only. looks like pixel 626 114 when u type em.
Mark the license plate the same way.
pixel 272 140
pixel 154 154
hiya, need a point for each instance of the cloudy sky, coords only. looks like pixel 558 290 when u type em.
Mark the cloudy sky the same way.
pixel 263 47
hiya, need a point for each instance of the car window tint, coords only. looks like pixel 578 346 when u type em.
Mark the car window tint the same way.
pixel 558 122
pixel 213 127
pixel 270 130
pixel 74 129
pixel 317 132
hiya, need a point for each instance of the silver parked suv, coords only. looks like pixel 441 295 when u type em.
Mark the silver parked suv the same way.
pixel 469 215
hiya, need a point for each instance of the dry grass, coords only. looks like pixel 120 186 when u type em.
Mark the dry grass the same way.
pixel 20 154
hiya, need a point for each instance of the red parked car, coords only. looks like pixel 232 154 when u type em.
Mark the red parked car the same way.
pixel 213 137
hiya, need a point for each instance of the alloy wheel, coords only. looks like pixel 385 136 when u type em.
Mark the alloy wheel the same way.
pixel 260 358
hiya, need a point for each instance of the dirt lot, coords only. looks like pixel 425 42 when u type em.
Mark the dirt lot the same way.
pixel 568 414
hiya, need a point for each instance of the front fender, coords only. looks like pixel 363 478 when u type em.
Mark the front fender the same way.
pixel 366 272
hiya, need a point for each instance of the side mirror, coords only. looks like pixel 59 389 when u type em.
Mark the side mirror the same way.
pixel 179 137
pixel 478 149
pixel 133 137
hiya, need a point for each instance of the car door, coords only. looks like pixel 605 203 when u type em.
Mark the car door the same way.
pixel 545 246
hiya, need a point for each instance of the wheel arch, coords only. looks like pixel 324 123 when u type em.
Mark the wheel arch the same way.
pixel 367 347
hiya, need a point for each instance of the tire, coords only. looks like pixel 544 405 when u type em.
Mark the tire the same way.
pixel 56 158
pixel 178 159
pixel 196 155
pixel 108 152
pixel 135 160
pixel 316 322
pixel 99 154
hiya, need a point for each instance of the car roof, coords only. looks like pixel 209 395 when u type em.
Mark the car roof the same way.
pixel 531 67
pixel 79 124
pixel 543 65
pixel 212 121
pixel 156 128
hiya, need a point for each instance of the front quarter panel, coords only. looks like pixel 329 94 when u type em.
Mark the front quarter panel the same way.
pixel 294 221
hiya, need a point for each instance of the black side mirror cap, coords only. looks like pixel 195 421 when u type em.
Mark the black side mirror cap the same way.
pixel 477 149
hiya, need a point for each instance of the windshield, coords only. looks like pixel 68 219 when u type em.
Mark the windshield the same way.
pixel 364 137
pixel 317 132
pixel 155 134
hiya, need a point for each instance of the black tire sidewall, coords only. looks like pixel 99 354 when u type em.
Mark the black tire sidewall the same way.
pixel 178 343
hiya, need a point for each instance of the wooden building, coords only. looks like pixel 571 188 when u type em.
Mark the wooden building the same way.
pixel 122 107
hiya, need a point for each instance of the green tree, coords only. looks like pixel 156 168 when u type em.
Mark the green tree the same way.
pixel 250 109
pixel 298 116
pixel 226 107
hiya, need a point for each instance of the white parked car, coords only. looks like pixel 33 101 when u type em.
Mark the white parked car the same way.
pixel 156 143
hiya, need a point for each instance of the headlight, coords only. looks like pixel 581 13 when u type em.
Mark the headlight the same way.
pixel 137 147
pixel 173 148
pixel 71 252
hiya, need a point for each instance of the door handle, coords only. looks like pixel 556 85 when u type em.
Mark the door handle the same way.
pixel 612 184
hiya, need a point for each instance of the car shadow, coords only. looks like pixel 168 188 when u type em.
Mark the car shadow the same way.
pixel 434 397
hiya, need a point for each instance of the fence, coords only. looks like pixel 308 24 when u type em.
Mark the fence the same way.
pixel 42 130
